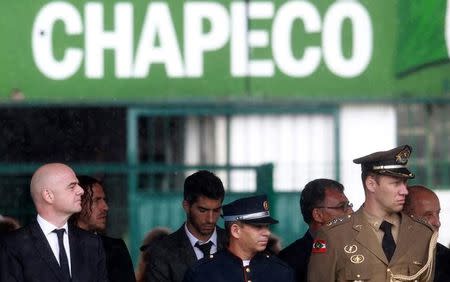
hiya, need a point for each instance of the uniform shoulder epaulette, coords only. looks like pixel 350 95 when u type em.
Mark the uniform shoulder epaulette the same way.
pixel 338 221
pixel 421 221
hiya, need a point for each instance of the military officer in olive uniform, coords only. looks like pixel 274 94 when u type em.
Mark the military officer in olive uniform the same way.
pixel 378 242
pixel 247 223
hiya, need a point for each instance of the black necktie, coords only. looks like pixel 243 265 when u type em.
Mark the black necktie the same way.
pixel 205 248
pixel 388 242
pixel 63 262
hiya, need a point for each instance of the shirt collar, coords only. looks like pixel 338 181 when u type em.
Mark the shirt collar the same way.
pixel 193 239
pixel 48 227
pixel 375 222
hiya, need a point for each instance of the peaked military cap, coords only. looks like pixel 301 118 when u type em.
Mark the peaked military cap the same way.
pixel 252 210
pixel 391 163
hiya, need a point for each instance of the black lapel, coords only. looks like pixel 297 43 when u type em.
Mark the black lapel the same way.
pixel 77 254
pixel 44 250
pixel 184 246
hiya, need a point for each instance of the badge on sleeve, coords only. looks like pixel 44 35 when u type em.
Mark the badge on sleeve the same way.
pixel 319 246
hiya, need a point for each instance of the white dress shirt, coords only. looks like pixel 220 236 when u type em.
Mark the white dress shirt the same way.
pixel 52 238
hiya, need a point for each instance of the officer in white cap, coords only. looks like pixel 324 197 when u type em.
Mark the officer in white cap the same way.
pixel 247 223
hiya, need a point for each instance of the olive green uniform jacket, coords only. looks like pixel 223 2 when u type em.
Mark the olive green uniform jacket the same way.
pixel 347 249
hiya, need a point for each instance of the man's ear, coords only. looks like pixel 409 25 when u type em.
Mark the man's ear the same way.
pixel 186 206
pixel 235 230
pixel 317 215
pixel 47 195
pixel 371 183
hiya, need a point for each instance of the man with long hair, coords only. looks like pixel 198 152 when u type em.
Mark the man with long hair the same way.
pixel 93 217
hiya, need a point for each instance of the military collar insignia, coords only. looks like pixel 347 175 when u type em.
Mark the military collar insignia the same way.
pixel 334 221
pixel 337 220
pixel 350 249
pixel 418 218
pixel 357 259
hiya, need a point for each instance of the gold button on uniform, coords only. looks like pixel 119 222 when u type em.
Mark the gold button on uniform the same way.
pixel 247 269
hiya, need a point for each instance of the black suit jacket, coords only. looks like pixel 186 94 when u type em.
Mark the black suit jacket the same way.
pixel 29 257
pixel 118 260
pixel 3 262
pixel 297 255
pixel 442 272
pixel 170 257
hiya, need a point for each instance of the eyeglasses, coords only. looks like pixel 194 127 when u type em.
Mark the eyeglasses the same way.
pixel 345 206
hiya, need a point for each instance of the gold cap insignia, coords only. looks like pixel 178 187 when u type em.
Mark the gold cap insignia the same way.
pixel 266 205
pixel 403 156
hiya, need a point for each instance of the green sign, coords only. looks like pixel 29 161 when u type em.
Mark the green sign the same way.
pixel 152 50
pixel 422 35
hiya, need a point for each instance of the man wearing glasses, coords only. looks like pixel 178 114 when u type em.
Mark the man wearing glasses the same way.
pixel 378 242
pixel 321 201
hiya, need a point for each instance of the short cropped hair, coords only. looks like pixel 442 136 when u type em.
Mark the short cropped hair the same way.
pixel 314 194
pixel 365 174
pixel 227 226
pixel 203 183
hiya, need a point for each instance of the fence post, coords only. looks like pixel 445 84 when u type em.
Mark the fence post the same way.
pixel 264 184
pixel 264 179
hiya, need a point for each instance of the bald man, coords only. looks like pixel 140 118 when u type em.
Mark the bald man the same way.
pixel 48 249
pixel 423 203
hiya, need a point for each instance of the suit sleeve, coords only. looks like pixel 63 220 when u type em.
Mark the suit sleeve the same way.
pixel 157 268
pixel 322 264
pixel 123 271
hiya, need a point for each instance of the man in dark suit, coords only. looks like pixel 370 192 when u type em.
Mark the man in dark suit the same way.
pixel 197 237
pixel 423 203
pixel 321 201
pixel 48 249
pixel 93 218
